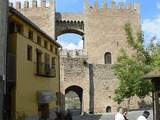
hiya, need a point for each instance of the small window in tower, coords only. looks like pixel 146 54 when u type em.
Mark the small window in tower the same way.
pixel 30 34
pixel 108 58
pixel 29 53
pixel 117 44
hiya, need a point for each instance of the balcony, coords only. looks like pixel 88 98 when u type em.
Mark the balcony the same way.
pixel 45 70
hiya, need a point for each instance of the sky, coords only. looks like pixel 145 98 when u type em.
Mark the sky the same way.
pixel 150 19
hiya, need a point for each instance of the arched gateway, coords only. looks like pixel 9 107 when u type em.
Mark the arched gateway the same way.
pixel 102 30
pixel 79 91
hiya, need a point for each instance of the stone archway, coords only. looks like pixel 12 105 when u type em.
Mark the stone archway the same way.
pixel 63 27
pixel 79 91
pixel 108 109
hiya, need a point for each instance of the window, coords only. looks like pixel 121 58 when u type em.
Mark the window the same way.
pixel 15 27
pixel 108 58
pixel 56 51
pixel 39 61
pixel 57 98
pixel 47 64
pixel 47 58
pixel 53 62
pixel 45 44
pixel 30 35
pixel 39 40
pixel 117 44
pixel 51 47
pixel 38 56
pixel 29 53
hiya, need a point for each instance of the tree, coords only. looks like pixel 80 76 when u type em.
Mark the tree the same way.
pixel 130 69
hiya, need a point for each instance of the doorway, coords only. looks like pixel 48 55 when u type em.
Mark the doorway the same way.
pixel 43 109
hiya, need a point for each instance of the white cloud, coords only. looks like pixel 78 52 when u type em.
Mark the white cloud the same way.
pixel 71 46
pixel 151 27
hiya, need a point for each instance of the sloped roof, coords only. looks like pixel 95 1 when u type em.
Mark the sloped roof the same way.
pixel 152 75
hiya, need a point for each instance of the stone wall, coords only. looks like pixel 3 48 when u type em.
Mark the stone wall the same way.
pixel 74 72
pixel 43 15
pixel 102 29
pixel 70 16
pixel 104 84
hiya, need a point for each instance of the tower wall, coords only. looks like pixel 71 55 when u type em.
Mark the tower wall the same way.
pixel 104 29
pixel 43 15
pixel 74 72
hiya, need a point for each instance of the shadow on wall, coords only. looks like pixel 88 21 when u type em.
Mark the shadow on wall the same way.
pixel 91 89
pixel 145 104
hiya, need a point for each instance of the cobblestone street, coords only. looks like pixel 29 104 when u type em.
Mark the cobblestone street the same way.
pixel 131 116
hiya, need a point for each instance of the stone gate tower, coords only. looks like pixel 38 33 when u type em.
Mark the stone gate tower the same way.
pixel 88 72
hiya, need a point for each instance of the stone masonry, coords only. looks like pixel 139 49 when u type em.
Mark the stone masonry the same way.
pixel 102 30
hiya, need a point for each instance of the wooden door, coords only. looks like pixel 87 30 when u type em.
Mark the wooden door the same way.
pixel 44 111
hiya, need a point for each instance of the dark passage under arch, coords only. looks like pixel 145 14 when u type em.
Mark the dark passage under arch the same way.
pixel 108 109
pixel 79 91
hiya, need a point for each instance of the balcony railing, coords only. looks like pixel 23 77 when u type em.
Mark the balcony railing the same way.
pixel 45 70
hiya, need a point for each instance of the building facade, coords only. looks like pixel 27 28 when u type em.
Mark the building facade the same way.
pixel 88 72
pixel 33 84
pixel 3 48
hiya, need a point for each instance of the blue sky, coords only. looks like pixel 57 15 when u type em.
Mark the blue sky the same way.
pixel 150 18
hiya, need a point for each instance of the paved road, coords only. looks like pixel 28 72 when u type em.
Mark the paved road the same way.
pixel 131 116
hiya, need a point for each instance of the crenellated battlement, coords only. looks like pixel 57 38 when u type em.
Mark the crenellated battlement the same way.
pixel 73 53
pixel 112 6
pixel 74 17
pixel 33 5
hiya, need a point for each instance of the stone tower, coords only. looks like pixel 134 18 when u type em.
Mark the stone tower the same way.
pixel 88 72
pixel 104 29
pixel 43 15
